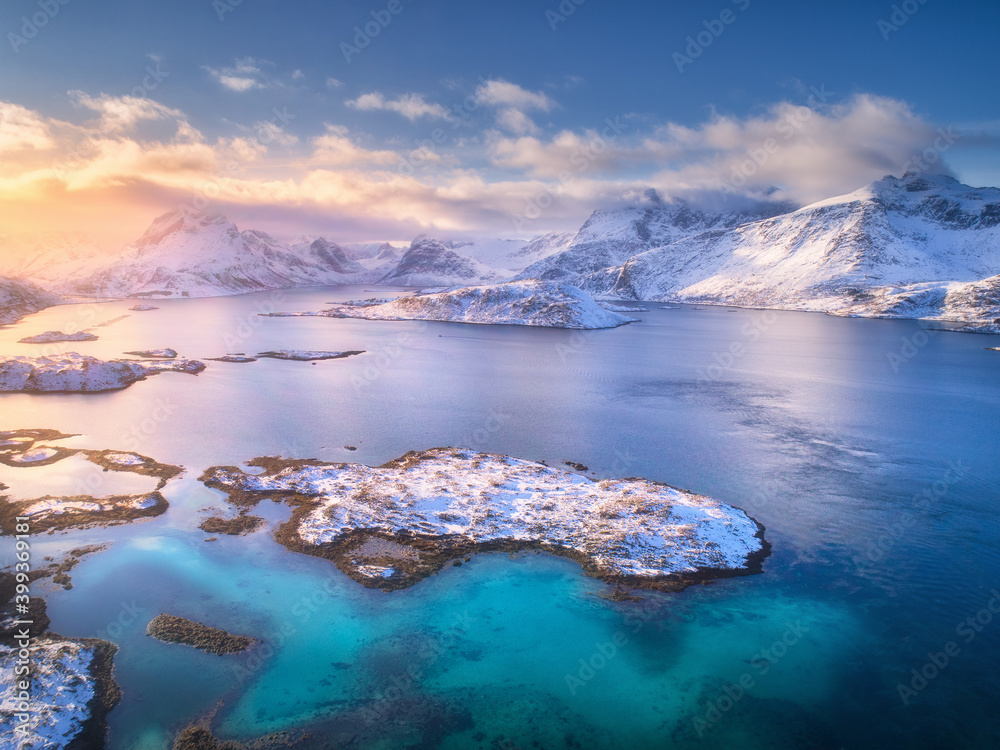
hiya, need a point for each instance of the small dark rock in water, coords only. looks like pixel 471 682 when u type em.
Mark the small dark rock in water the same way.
pixel 172 629
pixel 242 524
pixel 350 448
pixel 143 308
pixel 154 354
pixel 577 466
pixel 212 539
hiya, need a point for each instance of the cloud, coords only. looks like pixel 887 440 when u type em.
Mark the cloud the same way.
pixel 21 128
pixel 340 178
pixel 334 83
pixel 245 74
pixel 411 106
pixel 513 103
pixel 501 93
pixel 810 152
pixel 120 114
pixel 335 148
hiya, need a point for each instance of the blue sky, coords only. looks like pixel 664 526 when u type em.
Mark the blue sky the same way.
pixel 531 113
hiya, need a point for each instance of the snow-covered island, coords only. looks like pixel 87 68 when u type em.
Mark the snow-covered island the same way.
pixel 71 692
pixel 57 337
pixel 77 373
pixel 526 303
pixel 391 526
pixel 296 355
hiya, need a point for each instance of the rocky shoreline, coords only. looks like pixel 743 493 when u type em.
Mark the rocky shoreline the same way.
pixel 391 526
pixel 21 449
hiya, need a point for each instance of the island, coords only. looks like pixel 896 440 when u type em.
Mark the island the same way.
pixel 57 337
pixel 72 687
pixel 77 373
pixel 296 355
pixel 154 354
pixel 546 304
pixel 173 629
pixel 51 513
pixel 391 526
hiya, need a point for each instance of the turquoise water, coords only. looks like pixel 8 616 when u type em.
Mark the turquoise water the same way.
pixel 810 428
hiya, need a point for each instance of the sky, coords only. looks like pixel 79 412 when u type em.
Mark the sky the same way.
pixel 382 120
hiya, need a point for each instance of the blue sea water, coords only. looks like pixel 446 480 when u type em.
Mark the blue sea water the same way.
pixel 868 449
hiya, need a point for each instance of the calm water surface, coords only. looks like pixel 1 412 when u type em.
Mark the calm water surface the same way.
pixel 877 477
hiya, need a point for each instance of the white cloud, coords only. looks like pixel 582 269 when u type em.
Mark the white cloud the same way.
pixel 245 74
pixel 513 103
pixel 516 121
pixel 812 153
pixel 411 106
pixel 21 128
pixel 336 148
pixel 501 93
pixel 334 83
pixel 120 114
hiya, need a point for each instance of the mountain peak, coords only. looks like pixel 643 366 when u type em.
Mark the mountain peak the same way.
pixel 176 221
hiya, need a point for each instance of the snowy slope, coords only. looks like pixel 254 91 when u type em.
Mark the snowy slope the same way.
pixel 20 298
pixel 50 258
pixel 430 262
pixel 862 254
pixel 526 303
pixel 610 237
pixel 188 254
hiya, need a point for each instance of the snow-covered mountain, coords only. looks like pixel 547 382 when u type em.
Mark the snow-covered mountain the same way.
pixel 326 256
pixel 610 237
pixel 19 298
pixel 916 246
pixel 50 258
pixel 430 262
pixel 189 254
